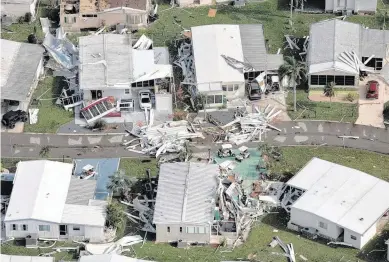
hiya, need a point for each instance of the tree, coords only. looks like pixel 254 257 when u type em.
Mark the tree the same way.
pixel 120 184
pixel 329 90
pixel 294 71
pixel 115 215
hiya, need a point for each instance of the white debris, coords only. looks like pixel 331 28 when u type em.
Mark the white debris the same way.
pixel 113 248
pixel 33 115
pixel 143 43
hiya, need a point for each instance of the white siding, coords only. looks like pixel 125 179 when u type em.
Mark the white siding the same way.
pixel 366 6
pixel 94 234
pixel 329 5
pixel 368 235
pixel 74 234
pixel 175 233
pixel 305 219
pixel 33 227
pixel 15 10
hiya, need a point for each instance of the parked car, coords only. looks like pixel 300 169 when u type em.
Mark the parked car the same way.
pixel 12 117
pixel 254 92
pixel 225 151
pixel 145 99
pixel 372 89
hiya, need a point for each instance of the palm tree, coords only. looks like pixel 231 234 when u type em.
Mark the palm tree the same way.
pixel 295 71
pixel 329 90
pixel 120 184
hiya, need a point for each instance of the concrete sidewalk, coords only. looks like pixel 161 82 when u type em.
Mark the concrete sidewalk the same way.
pixel 100 145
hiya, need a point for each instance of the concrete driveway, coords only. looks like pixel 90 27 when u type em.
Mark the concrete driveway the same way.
pixel 370 110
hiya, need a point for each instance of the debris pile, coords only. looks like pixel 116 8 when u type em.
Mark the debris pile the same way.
pixel 186 63
pixel 288 249
pixel 249 126
pixel 145 211
pixel 169 137
pixel 112 248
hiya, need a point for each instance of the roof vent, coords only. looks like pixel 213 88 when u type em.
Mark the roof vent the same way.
pixel 361 219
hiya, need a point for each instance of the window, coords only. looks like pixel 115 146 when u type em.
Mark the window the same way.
pixel 88 15
pixel 14 227
pixel 314 80
pixel 180 229
pixel 127 91
pixel 65 19
pixel 224 87
pixel 322 80
pixel 323 225
pixel 230 88
pixel 200 230
pixel 218 99
pixel 353 237
pixel 168 229
pixel 375 62
pixel 24 227
pixel 236 87
pixel 339 80
pixel 330 79
pixel 44 228
pixel 190 230
pixel 349 80
pixel 76 228
pixel 74 19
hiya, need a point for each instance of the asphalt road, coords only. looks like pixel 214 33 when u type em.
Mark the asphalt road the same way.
pixel 99 145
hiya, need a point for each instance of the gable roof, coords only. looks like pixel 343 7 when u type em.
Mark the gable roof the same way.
pixel 186 193
pixel 13 65
pixel 350 198
pixel 40 191
pixel 330 38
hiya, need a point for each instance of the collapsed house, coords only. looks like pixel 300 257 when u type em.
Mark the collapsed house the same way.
pixel 208 203
pixel 221 59
pixel 76 15
pixel 114 69
pixel 48 202
pixel 19 78
pixel 337 203
pixel 340 51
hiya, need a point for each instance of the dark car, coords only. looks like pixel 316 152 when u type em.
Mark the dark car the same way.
pixel 254 91
pixel 12 117
pixel 372 89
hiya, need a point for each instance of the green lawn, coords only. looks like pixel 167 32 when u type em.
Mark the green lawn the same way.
pixel 321 110
pixel 294 158
pixel 17 248
pixel 50 116
pixel 137 167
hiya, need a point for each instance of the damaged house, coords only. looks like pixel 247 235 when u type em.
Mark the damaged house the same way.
pixel 114 69
pixel 48 202
pixel 337 203
pixel 223 58
pixel 76 15
pixel 19 78
pixel 340 51
pixel 184 208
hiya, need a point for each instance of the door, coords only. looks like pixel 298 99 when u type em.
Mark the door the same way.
pixel 63 230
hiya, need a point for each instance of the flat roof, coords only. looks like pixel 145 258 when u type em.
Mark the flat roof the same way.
pixel 40 190
pixel 186 193
pixel 13 258
pixel 91 215
pixel 345 196
pixel 209 43
pixel 17 75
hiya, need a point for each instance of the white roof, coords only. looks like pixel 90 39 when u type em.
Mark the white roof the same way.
pixel 84 215
pixel 186 191
pixel 12 258
pixel 40 191
pixel 110 258
pixel 209 43
pixel 347 197
pixel 8 55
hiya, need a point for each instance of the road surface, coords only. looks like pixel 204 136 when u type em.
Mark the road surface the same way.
pixel 98 145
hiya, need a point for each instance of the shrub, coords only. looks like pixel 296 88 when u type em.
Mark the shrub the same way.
pixel 179 115
pixel 351 97
pixel 32 39
pixel 115 215
pixel 27 17
pixel 21 20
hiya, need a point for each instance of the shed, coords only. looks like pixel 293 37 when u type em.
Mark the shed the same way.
pixel 341 203
pixel 184 208
pixel 18 77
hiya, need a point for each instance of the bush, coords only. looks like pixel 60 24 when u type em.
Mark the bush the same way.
pixel 27 17
pixel 351 97
pixel 179 115
pixel 21 20
pixel 115 215
pixel 32 39
pixel 99 125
